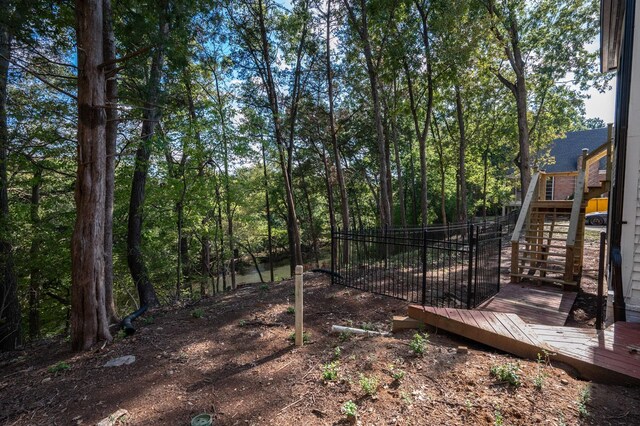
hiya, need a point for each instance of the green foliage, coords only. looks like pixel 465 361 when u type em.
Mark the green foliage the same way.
pixel 349 409
pixel 59 367
pixel 498 418
pixel 344 336
pixel 507 373
pixel 369 384
pixel 197 313
pixel 543 361
pixel 583 400
pixel 330 371
pixel 396 373
pixel 418 343
pixel 291 310
pixel 306 336
pixel 337 352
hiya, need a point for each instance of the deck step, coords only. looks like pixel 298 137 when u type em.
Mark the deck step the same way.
pixel 547 261
pixel 546 253
pixel 545 279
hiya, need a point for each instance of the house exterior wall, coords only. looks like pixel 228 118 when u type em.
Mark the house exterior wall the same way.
pixel 630 243
pixel 563 187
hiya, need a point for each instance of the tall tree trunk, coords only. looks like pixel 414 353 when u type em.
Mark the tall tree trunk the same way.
pixel 396 151
pixel 111 130
pixel 227 187
pixel 151 116
pixel 268 212
pixel 292 219
pixel 10 324
pixel 89 322
pixel 312 228
pixel 222 268
pixel 443 171
pixel 510 42
pixel 362 28
pixel 34 256
pixel 344 199
pixel 462 174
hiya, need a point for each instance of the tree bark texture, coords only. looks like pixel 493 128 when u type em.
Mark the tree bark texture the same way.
pixel 344 199
pixel 89 322
pixel 10 323
pixel 362 27
pixel 111 130
pixel 462 173
pixel 35 278
pixel 151 116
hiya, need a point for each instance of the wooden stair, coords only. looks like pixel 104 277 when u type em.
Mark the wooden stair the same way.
pixel 548 239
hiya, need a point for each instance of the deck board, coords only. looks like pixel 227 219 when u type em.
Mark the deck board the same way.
pixel 534 304
pixel 605 356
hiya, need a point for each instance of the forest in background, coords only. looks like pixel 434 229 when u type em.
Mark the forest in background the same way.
pixel 253 127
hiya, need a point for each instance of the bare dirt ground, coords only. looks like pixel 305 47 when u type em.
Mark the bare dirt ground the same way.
pixel 237 363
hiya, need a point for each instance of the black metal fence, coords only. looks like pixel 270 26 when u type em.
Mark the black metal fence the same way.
pixel 456 266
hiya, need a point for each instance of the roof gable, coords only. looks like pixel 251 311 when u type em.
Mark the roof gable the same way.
pixel 567 150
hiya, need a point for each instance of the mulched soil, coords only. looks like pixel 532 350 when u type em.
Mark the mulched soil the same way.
pixel 237 363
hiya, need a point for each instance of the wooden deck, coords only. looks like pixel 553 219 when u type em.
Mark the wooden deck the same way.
pixel 534 304
pixel 608 356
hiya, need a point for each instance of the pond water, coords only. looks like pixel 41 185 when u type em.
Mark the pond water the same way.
pixel 281 271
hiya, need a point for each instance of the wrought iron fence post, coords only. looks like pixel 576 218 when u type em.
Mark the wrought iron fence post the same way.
pixel 334 242
pixel 470 270
pixel 424 267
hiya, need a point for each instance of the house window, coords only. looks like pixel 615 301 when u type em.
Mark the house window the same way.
pixel 548 193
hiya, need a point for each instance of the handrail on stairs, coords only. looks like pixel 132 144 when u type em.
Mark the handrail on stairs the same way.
pixel 526 205
pixel 574 221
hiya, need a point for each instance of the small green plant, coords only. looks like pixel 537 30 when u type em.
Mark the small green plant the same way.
pixel 305 337
pixel 583 400
pixel 499 420
pixel 264 287
pixel 396 373
pixel 121 334
pixel 369 384
pixel 368 326
pixel 337 352
pixel 406 398
pixel 418 343
pixel 344 336
pixel 291 310
pixel 538 380
pixel 59 367
pixel 507 373
pixel 148 320
pixel 350 409
pixel 242 323
pixel 330 371
pixel 197 313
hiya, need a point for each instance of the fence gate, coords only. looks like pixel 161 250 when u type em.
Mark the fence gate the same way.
pixel 456 266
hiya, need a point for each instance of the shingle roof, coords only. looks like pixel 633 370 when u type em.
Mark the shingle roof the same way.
pixel 567 150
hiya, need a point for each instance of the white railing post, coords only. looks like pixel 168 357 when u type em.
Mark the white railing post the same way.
pixel 299 306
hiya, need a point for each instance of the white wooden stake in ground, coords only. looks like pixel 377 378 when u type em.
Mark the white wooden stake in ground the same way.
pixel 299 304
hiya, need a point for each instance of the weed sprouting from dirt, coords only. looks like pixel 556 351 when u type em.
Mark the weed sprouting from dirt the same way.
pixel 418 343
pixel 369 384
pixel 330 371
pixel 59 367
pixel 507 373
pixel 291 310
pixel 543 361
pixel 337 352
pixel 349 409
pixel 197 313
pixel 344 336
pixel 583 400
pixel 305 337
